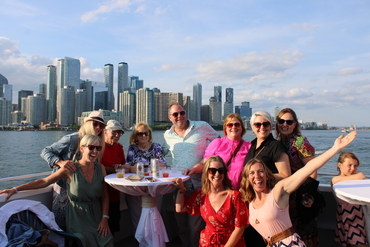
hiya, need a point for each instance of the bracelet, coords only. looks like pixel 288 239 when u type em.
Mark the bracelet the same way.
pixel 106 216
pixel 16 191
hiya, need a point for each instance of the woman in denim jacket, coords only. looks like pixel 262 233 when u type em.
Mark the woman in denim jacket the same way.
pixel 62 154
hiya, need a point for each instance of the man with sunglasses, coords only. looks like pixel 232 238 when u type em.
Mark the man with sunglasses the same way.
pixel 187 140
pixel 113 155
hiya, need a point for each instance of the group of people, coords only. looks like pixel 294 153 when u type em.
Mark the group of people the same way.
pixel 239 193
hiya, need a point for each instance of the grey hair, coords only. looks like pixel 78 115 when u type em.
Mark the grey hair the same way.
pixel 263 114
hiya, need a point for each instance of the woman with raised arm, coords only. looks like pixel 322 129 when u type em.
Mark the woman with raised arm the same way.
pixel 300 151
pixel 222 208
pixel 269 204
pixel 87 212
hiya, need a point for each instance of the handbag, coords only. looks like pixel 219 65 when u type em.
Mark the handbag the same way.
pixel 309 189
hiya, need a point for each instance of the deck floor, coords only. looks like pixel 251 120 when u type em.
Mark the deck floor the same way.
pixel 131 242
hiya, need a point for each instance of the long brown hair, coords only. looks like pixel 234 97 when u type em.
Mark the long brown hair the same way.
pixel 246 188
pixel 206 184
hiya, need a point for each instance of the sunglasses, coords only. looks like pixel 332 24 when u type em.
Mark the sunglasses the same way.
pixel 288 122
pixel 142 134
pixel 265 124
pixel 96 124
pixel 236 125
pixel 117 132
pixel 175 114
pixel 213 171
pixel 92 147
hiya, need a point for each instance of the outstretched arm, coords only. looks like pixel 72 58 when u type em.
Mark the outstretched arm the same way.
pixel 37 184
pixel 287 186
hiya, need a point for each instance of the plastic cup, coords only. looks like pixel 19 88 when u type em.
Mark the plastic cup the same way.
pixel 166 173
pixel 120 172
pixel 146 171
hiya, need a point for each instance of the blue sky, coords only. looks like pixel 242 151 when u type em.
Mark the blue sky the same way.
pixel 312 56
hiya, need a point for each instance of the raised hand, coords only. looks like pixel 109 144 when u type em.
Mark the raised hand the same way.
pixel 343 141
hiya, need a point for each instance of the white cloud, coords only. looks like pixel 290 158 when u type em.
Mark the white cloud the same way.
pixel 166 67
pixel 140 9
pixel 188 38
pixel 348 71
pixel 251 67
pixel 160 11
pixel 110 6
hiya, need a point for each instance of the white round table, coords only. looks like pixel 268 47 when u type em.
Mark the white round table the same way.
pixel 150 230
pixel 356 192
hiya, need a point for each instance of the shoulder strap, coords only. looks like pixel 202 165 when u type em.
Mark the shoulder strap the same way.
pixel 235 152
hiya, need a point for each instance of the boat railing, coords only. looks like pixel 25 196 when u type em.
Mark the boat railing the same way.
pixel 25 176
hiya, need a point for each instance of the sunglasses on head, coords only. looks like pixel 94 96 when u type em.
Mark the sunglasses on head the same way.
pixel 92 147
pixel 213 171
pixel 142 134
pixel 236 125
pixel 175 114
pixel 96 124
pixel 265 124
pixel 288 122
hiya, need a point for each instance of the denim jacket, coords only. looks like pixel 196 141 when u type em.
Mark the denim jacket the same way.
pixel 64 149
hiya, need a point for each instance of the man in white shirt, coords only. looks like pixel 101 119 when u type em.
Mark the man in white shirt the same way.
pixel 187 140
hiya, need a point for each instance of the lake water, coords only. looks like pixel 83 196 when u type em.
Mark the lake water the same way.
pixel 20 150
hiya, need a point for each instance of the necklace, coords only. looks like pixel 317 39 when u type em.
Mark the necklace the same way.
pixel 257 221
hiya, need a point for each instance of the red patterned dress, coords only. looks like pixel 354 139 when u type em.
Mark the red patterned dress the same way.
pixel 219 225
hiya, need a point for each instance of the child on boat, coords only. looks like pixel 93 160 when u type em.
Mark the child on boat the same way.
pixel 350 229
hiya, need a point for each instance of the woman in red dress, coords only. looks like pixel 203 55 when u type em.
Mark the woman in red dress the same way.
pixel 221 207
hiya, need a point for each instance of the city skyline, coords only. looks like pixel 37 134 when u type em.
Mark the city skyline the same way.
pixel 310 56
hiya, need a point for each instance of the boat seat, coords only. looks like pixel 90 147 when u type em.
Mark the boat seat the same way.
pixel 37 216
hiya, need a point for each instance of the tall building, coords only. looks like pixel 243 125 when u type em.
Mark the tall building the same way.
pixel 3 81
pixel 87 85
pixel 176 98
pixel 218 93
pixel 128 108
pixel 215 111
pixel 245 110
pixel 80 102
pixel 36 108
pixel 108 80
pixel 122 84
pixel 161 103
pixel 60 74
pixel 23 94
pixel 17 117
pixel 229 101
pixel 135 83
pixel 101 99
pixel 42 89
pixel 197 99
pixel 51 93
pixel 66 106
pixel 186 103
pixel 5 111
pixel 72 72
pixel 205 113
pixel 276 112
pixel 145 106
pixel 24 108
pixel 8 92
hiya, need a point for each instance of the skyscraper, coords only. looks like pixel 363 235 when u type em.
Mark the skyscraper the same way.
pixel 101 99
pixel 36 108
pixel 245 110
pixel 8 92
pixel 80 102
pixel 66 106
pixel 42 89
pixel 229 102
pixel 128 108
pixel 3 81
pixel 72 72
pixel 122 84
pixel 87 85
pixel 216 108
pixel 51 93
pixel 197 99
pixel 5 110
pixel 145 106
pixel 23 94
pixel 108 80
pixel 161 103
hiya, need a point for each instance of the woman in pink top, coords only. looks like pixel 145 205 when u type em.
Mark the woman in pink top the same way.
pixel 269 204
pixel 227 148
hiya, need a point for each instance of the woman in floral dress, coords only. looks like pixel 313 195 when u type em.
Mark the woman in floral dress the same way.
pixel 222 208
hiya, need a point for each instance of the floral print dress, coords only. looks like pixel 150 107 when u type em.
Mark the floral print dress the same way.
pixel 219 225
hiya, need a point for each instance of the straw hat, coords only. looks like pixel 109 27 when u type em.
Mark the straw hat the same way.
pixel 114 125
pixel 95 116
